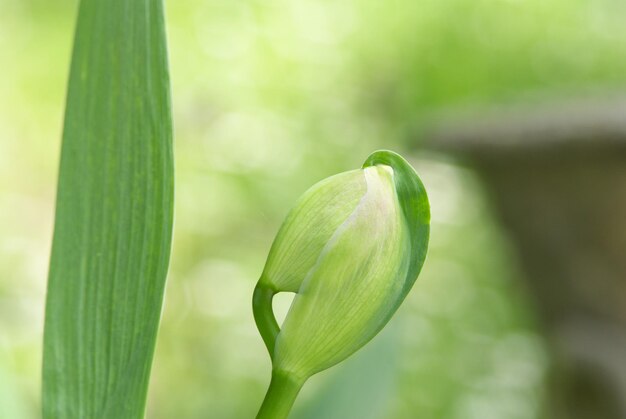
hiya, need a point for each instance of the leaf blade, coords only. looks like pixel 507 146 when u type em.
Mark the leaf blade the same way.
pixel 114 215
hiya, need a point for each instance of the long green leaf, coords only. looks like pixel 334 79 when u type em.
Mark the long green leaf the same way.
pixel 114 209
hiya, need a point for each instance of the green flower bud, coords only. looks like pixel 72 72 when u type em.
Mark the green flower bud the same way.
pixel 350 249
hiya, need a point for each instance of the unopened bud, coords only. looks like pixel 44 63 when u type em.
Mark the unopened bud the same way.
pixel 350 249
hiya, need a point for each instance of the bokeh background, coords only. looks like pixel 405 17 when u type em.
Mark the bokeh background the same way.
pixel 270 97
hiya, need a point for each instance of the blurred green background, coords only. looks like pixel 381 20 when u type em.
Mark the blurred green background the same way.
pixel 268 98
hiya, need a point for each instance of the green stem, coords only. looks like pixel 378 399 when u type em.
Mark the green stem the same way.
pixel 280 396
pixel 264 316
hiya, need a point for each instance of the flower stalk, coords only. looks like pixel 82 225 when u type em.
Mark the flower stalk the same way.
pixel 281 395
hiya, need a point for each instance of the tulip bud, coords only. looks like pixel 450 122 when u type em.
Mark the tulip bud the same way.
pixel 350 249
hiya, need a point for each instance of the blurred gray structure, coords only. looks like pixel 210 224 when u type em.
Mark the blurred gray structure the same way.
pixel 556 175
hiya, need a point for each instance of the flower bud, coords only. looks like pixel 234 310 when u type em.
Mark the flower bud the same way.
pixel 350 249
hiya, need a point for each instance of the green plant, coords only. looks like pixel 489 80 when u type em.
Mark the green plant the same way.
pixel 114 212
pixel 350 249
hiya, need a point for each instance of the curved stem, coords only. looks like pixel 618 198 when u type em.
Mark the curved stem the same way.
pixel 280 396
pixel 264 316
